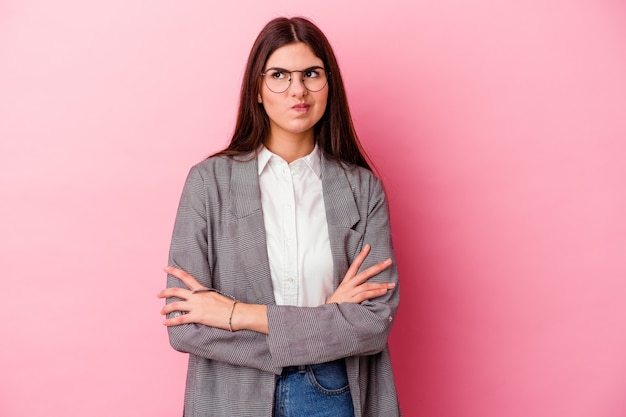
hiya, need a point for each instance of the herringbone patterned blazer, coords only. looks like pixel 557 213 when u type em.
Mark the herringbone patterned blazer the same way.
pixel 219 238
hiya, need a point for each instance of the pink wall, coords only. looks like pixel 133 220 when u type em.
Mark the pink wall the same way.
pixel 500 131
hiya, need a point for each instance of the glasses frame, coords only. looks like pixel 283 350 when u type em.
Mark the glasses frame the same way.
pixel 283 70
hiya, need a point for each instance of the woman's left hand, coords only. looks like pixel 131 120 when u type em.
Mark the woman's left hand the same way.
pixel 207 307
pixel 354 287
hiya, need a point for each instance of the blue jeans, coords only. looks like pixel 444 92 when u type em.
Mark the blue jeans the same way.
pixel 314 391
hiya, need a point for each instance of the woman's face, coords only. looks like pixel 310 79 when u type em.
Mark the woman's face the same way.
pixel 295 111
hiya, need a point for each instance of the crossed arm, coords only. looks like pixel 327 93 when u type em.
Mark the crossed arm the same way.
pixel 356 320
pixel 216 310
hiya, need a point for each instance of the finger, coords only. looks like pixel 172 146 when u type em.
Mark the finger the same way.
pixel 373 292
pixel 358 261
pixel 178 320
pixel 187 279
pixel 374 286
pixel 174 292
pixel 368 295
pixel 372 271
pixel 175 306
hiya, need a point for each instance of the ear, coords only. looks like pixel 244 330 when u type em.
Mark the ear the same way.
pixel 259 99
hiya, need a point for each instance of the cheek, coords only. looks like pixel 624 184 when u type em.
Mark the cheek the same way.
pixel 269 99
pixel 264 93
pixel 269 104
pixel 323 103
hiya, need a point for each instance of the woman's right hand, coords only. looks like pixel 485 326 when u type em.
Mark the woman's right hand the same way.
pixel 354 288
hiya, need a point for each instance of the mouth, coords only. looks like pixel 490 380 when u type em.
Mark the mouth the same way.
pixel 301 107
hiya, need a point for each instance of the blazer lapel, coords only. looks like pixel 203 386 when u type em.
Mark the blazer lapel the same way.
pixel 248 231
pixel 341 214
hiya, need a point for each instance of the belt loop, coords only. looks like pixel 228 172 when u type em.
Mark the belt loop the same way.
pixel 301 369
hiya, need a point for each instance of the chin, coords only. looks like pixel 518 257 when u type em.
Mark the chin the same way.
pixel 297 130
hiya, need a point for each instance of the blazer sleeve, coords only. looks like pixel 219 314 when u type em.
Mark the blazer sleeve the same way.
pixel 188 251
pixel 307 335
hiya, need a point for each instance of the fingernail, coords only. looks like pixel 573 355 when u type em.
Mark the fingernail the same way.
pixel 391 285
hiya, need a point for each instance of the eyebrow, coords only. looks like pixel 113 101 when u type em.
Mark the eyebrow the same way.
pixel 286 70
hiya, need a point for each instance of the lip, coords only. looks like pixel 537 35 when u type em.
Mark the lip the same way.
pixel 301 107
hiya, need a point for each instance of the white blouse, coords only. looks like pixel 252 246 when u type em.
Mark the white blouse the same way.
pixel 298 247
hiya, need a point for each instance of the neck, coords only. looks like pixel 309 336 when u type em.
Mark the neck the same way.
pixel 291 147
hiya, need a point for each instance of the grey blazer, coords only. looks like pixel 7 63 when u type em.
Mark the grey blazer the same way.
pixel 219 238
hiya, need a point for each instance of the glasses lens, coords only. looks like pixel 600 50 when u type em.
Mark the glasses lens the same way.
pixel 314 79
pixel 277 81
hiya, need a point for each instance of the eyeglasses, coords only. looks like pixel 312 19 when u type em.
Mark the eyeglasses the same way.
pixel 278 80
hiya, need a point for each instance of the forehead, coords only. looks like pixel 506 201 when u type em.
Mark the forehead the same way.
pixel 293 56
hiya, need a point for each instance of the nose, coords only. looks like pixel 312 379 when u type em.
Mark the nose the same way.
pixel 297 88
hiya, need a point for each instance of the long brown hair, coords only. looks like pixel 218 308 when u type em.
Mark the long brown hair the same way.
pixel 335 133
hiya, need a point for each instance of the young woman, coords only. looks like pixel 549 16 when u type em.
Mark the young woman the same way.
pixel 282 287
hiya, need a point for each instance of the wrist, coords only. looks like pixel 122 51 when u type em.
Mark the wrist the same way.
pixel 249 317
pixel 230 318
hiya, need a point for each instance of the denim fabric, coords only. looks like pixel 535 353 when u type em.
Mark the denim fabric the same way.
pixel 314 391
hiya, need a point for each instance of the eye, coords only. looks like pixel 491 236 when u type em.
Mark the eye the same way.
pixel 311 73
pixel 277 75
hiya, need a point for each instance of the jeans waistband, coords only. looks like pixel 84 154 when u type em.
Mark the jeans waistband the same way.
pixel 288 370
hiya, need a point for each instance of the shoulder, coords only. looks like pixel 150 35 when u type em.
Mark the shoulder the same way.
pixel 212 165
pixel 360 179
pixel 360 174
pixel 221 166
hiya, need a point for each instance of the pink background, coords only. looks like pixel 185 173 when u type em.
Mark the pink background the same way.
pixel 499 128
